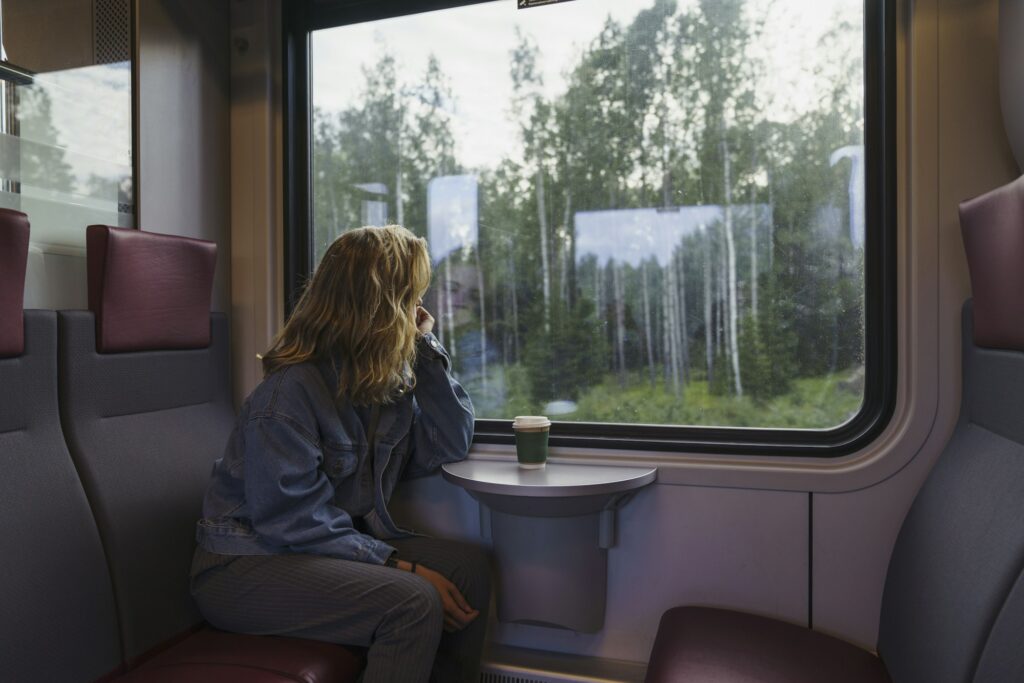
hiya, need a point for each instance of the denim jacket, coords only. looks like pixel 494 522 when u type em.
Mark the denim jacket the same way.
pixel 273 491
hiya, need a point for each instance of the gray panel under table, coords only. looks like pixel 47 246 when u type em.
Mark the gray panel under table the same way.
pixel 59 621
pixel 551 571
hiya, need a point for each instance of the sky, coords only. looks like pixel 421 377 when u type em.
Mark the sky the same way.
pixel 473 45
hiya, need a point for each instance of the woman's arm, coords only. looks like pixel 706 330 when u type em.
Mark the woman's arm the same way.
pixel 443 414
pixel 290 498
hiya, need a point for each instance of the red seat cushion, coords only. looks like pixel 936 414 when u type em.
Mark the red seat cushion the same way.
pixel 218 657
pixel 993 230
pixel 13 262
pixel 721 646
pixel 210 673
pixel 149 291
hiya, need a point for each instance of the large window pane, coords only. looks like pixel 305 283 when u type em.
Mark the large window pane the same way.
pixel 639 212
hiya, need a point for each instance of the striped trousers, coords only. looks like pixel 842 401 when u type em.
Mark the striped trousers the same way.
pixel 396 614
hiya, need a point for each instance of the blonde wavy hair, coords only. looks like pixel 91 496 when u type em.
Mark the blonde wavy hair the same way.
pixel 359 310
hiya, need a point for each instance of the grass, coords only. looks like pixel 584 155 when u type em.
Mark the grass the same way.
pixel 812 403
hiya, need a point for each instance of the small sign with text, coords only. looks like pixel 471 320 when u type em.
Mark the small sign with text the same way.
pixel 527 4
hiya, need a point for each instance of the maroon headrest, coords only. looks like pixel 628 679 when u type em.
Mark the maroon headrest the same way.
pixel 149 291
pixel 993 231
pixel 13 259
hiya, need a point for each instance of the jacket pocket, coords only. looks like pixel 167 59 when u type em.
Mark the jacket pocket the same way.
pixel 339 462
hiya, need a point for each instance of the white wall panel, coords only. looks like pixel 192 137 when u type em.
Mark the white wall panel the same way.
pixel 184 145
pixel 55 281
pixel 953 148
pixel 1011 72
pixel 257 287
pixel 677 545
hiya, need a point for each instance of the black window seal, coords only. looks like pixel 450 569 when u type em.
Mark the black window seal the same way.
pixel 301 17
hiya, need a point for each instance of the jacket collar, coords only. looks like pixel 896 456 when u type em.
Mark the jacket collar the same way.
pixel 391 428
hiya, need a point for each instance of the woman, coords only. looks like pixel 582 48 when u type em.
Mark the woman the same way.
pixel 296 538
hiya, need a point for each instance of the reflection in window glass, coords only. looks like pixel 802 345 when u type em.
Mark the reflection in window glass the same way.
pixel 66 136
pixel 638 212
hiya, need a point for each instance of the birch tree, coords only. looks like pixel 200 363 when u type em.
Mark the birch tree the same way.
pixel 647 321
pixel 528 108
pixel 620 319
pixel 730 249
pixel 684 335
pixel 708 322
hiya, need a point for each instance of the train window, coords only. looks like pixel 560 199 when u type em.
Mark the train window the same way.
pixel 663 224
pixel 66 117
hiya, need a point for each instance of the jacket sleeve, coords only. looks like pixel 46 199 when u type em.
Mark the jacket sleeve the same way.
pixel 443 416
pixel 290 498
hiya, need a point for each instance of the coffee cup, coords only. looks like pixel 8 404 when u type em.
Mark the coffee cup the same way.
pixel 531 440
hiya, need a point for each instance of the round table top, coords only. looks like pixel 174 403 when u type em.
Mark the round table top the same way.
pixel 553 480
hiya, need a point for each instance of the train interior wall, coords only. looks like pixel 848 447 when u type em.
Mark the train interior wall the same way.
pixel 209 122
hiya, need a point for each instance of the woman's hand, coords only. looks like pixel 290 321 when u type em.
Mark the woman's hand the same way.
pixel 457 612
pixel 424 321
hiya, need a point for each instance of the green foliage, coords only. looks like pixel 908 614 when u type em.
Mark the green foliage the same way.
pixel 755 363
pixel 397 137
pixel 811 403
pixel 662 112
pixel 768 367
pixel 767 346
pixel 570 359
pixel 519 402
pixel 721 380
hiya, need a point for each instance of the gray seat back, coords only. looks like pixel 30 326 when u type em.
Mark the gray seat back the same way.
pixel 59 622
pixel 57 616
pixel 961 549
pixel 144 429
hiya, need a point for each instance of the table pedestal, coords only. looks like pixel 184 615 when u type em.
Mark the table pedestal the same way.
pixel 552 571
pixel 551 530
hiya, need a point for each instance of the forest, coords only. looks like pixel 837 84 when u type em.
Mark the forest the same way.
pixel 672 243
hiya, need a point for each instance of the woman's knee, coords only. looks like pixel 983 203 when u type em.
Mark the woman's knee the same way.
pixel 420 607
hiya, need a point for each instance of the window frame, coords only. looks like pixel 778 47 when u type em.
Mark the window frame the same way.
pixel 301 17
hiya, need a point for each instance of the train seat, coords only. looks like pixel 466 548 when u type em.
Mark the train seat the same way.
pixel 212 656
pixel 146 408
pixel 706 644
pixel 59 621
pixel 953 603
